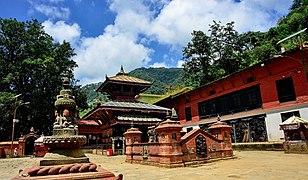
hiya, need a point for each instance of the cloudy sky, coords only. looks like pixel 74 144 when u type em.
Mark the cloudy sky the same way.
pixel 137 33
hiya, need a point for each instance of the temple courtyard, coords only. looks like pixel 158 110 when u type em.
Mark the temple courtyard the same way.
pixel 246 165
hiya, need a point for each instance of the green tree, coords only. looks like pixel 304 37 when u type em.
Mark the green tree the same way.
pixel 226 48
pixel 298 3
pixel 198 60
pixel 225 51
pixel 31 64
pixel 211 57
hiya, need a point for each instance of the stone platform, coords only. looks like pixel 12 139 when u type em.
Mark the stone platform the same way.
pixel 259 146
pixel 68 171
pixel 60 157
pixel 299 147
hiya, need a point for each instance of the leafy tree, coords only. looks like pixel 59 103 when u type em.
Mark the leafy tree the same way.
pixel 225 51
pixel 31 65
pixel 298 3
pixel 226 48
pixel 198 60
pixel 211 57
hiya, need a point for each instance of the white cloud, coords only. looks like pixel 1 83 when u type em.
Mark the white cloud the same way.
pixel 138 22
pixel 132 18
pixel 180 64
pixel 53 12
pixel 105 54
pixel 61 31
pixel 159 64
pixel 50 8
pixel 179 18
pixel 55 1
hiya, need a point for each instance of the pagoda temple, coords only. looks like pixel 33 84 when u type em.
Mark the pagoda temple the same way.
pixel 104 125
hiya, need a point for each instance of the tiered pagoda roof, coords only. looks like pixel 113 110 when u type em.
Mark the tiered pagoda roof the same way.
pixel 124 107
pixel 123 86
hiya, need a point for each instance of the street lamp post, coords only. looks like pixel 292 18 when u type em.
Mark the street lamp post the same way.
pixel 16 105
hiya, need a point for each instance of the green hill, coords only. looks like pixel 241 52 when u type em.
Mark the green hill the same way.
pixel 164 79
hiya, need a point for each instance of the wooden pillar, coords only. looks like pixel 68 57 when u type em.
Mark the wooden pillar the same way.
pixel 112 145
pixel 123 145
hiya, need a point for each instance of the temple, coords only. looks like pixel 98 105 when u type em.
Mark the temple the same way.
pixel 105 125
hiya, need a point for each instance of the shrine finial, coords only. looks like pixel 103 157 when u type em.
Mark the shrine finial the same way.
pixel 66 80
pixel 122 69
pixel 174 115
pixel 122 72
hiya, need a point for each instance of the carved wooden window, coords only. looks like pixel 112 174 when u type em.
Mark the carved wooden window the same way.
pixel 237 101
pixel 188 113
pixel 285 90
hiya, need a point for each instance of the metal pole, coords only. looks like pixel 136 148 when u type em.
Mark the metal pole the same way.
pixel 15 120
pixel 13 127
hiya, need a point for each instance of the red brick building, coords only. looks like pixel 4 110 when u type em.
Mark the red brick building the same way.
pixel 253 101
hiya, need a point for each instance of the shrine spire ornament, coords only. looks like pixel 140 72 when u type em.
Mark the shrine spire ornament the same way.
pixel 66 111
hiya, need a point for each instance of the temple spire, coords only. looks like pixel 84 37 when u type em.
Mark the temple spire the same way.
pixel 122 72
pixel 122 69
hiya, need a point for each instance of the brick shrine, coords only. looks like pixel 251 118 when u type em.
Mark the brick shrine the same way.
pixel 172 150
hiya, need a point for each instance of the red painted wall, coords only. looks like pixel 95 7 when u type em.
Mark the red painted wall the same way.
pixel 264 74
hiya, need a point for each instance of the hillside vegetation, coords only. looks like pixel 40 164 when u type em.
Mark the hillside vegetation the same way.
pixel 164 79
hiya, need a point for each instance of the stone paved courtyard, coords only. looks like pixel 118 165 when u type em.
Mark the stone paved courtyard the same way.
pixel 247 165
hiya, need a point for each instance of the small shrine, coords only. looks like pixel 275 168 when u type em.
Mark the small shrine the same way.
pixel 105 125
pixel 65 159
pixel 296 135
pixel 24 146
pixel 167 148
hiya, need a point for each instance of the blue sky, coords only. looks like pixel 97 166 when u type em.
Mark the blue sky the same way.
pixel 137 33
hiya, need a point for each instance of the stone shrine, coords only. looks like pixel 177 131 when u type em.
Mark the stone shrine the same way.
pixel 65 159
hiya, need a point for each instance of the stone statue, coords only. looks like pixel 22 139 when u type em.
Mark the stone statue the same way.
pixel 58 122
pixel 65 124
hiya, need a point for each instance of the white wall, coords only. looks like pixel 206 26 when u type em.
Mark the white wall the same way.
pixel 304 113
pixel 273 120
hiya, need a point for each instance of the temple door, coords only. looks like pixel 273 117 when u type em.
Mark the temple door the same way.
pixel 29 145
pixel 201 149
